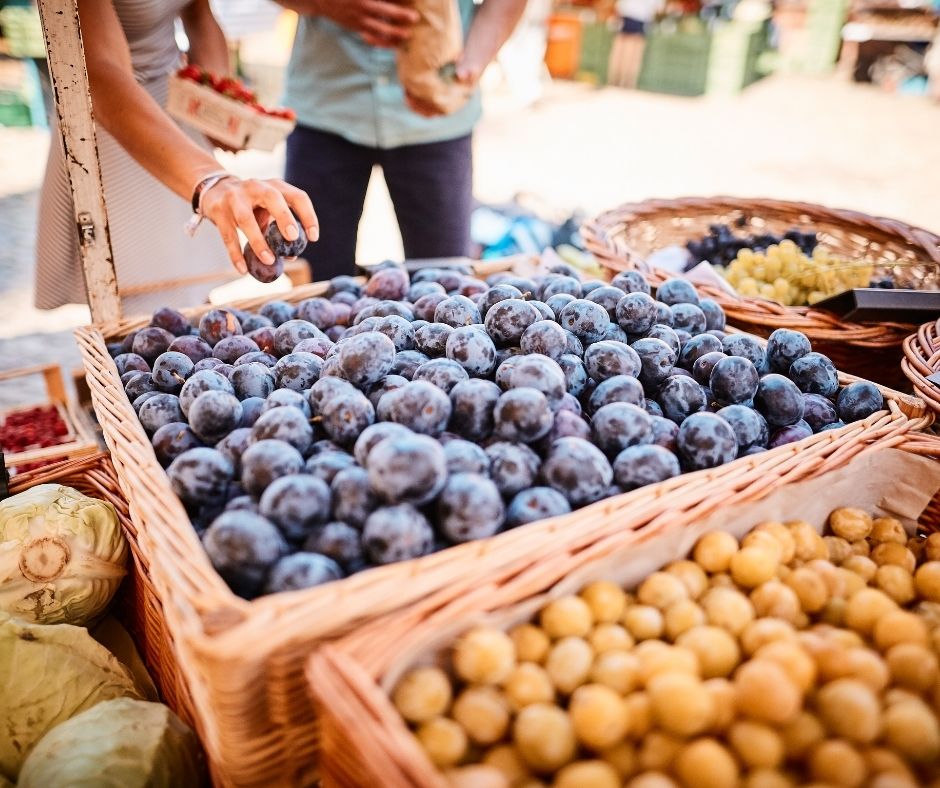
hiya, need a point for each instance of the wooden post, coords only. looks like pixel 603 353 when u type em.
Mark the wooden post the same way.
pixel 66 57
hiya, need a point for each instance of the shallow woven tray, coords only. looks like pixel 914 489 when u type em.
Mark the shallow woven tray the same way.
pixel 922 359
pixel 365 741
pixel 243 661
pixel 137 603
pixel 624 237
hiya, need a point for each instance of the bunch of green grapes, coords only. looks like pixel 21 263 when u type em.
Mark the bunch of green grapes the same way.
pixel 784 274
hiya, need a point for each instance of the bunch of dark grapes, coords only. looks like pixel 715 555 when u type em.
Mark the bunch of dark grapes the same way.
pixel 721 245
pixel 387 420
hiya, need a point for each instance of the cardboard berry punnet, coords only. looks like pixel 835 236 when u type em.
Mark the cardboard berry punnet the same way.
pixel 225 110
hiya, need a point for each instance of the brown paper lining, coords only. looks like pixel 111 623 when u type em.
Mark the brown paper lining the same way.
pixel 890 483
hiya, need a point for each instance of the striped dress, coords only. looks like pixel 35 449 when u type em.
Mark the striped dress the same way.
pixel 145 217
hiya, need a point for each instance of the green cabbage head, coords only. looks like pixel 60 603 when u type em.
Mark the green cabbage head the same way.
pixel 62 555
pixel 119 743
pixel 48 674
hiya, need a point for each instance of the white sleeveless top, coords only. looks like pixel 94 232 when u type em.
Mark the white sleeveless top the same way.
pixel 146 218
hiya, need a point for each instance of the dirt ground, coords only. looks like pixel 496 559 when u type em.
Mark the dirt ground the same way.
pixel 578 148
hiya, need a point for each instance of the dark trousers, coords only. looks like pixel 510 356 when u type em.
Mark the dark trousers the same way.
pixel 430 186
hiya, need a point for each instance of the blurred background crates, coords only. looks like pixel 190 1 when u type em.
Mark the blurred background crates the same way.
pixel 22 33
pixel 690 60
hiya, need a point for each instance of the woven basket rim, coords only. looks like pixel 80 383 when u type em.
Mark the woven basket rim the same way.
pixel 922 359
pixel 603 236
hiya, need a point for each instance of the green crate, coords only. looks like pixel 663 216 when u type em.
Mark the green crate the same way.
pixel 597 41
pixel 723 61
pixel 22 31
pixel 14 110
pixel 675 62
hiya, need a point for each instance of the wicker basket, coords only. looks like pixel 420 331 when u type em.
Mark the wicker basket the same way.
pixel 244 660
pixel 624 237
pixel 365 741
pixel 921 360
pixel 137 604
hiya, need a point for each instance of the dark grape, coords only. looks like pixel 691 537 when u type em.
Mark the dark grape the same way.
pixel 421 406
pixel 703 366
pixel 278 312
pixel 286 398
pixel 657 360
pixel 606 359
pixel 457 311
pixel 631 282
pixel 195 347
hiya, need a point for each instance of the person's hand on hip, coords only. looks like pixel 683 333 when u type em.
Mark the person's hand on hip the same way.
pixel 381 23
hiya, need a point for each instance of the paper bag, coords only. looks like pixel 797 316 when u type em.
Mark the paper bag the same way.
pixel 426 61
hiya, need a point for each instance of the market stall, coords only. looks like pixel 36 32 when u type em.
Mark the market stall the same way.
pixel 321 492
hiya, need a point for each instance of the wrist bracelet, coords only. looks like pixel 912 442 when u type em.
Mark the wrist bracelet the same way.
pixel 204 185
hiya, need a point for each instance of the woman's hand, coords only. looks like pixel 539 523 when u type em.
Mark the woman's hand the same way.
pixel 233 204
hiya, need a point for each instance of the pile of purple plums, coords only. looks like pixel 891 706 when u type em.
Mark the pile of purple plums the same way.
pixel 390 419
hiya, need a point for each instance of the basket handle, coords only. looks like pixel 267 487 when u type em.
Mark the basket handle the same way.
pixel 52 373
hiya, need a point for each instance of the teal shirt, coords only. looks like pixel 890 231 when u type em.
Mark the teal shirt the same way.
pixel 339 84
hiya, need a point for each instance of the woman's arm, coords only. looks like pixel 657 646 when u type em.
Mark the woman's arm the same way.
pixel 207 46
pixel 155 142
pixel 492 26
